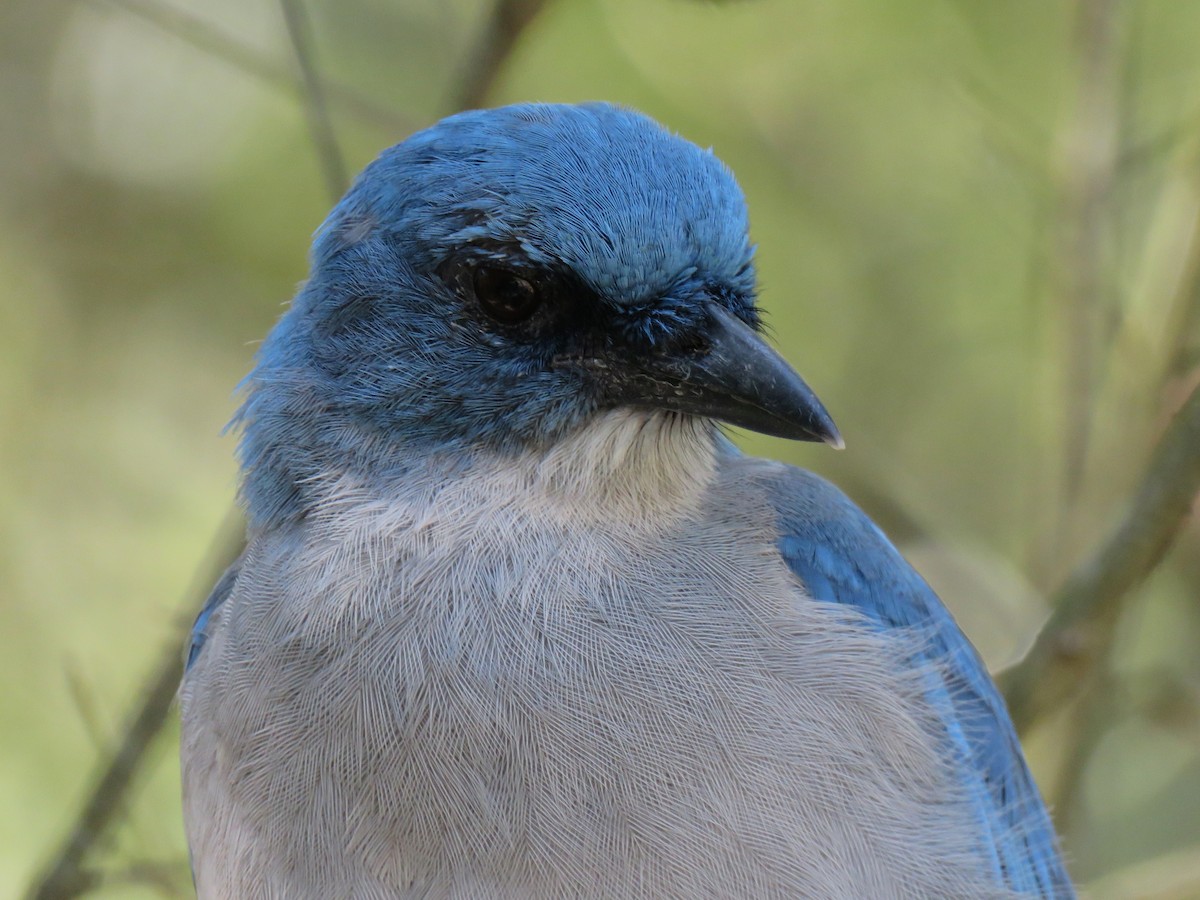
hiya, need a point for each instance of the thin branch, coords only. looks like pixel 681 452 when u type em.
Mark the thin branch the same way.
pixel 333 165
pixel 1087 605
pixel 66 876
pixel 1091 719
pixel 167 877
pixel 1008 129
pixel 1160 696
pixel 215 43
pixel 87 704
pixel 1148 149
pixel 1088 171
pixel 504 27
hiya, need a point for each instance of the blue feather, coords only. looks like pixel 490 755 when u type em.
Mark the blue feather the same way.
pixel 220 592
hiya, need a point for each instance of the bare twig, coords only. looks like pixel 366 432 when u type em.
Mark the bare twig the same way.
pixel 1087 606
pixel 214 42
pixel 1184 320
pixel 87 704
pixel 1090 721
pixel 333 166
pixel 66 875
pixel 1161 696
pixel 508 20
pixel 1010 131
pixel 1088 171
pixel 167 878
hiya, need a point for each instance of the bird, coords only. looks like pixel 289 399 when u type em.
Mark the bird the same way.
pixel 516 619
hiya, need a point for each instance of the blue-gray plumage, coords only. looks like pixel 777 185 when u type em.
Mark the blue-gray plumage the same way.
pixel 514 620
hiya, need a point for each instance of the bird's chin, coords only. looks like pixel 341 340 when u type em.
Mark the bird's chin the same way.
pixel 632 463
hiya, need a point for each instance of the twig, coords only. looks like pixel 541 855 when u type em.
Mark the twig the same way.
pixel 1161 696
pixel 66 875
pixel 1087 605
pixel 504 27
pixel 1090 719
pixel 214 42
pixel 167 877
pixel 1010 131
pixel 333 166
pixel 1089 167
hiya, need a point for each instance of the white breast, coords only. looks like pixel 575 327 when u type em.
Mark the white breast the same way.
pixel 581 674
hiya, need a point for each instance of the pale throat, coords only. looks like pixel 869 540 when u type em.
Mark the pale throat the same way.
pixel 640 471
pixel 630 465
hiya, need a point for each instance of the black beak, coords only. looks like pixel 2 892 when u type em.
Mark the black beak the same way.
pixel 733 376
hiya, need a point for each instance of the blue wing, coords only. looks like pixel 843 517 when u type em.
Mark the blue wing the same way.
pixel 220 591
pixel 841 556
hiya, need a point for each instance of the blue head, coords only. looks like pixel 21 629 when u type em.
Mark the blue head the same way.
pixel 495 282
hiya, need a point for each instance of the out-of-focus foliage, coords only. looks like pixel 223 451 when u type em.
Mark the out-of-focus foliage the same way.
pixel 977 229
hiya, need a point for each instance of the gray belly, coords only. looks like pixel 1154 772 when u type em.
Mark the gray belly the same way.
pixel 523 724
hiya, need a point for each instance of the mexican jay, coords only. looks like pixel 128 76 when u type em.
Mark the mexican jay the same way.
pixel 515 620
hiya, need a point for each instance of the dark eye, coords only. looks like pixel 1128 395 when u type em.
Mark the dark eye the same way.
pixel 504 295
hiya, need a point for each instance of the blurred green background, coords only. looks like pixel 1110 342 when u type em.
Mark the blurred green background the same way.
pixel 977 229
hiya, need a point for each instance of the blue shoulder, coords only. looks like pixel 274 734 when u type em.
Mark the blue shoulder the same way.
pixel 220 592
pixel 842 557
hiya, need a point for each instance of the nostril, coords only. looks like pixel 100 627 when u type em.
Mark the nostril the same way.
pixel 693 344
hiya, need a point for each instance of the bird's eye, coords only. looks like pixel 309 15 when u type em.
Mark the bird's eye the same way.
pixel 504 295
